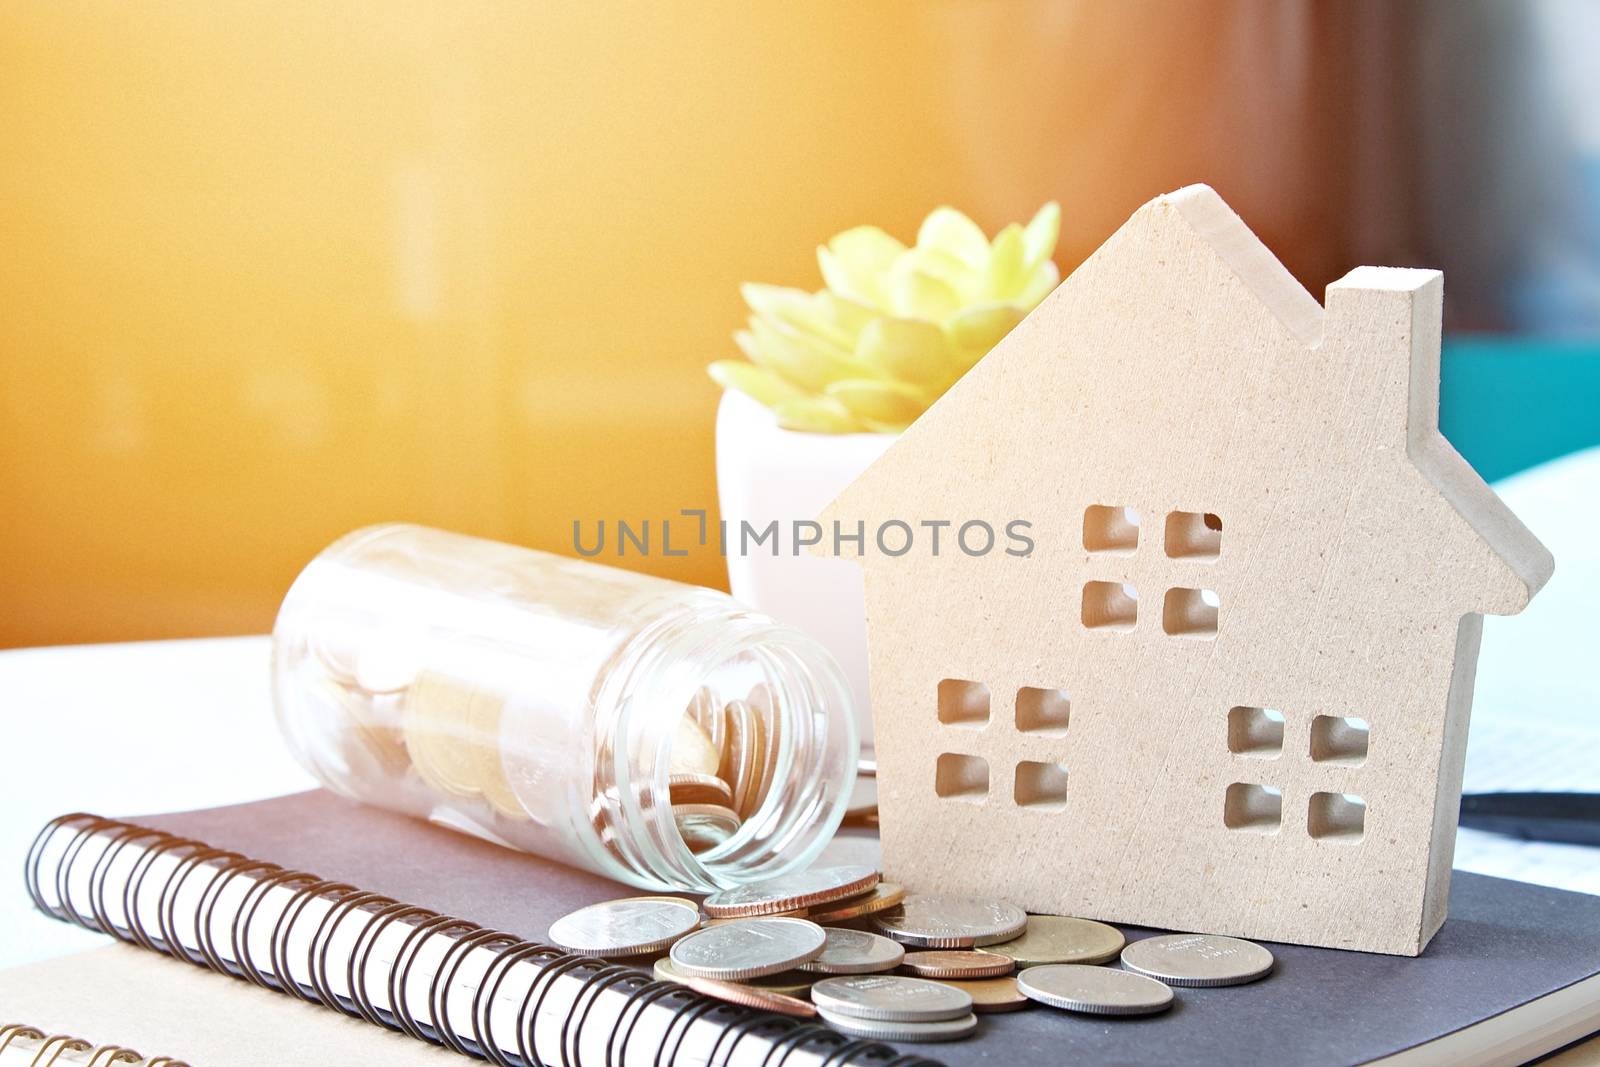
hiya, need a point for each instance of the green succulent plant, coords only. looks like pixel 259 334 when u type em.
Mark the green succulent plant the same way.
pixel 895 326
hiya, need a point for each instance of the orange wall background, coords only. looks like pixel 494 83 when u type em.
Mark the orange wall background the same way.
pixel 271 271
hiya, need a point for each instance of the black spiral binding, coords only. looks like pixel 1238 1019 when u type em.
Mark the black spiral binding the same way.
pixel 376 914
pixel 48 1049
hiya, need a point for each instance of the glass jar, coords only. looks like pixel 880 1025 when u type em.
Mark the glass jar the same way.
pixel 656 733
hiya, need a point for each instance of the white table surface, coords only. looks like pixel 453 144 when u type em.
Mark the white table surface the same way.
pixel 131 729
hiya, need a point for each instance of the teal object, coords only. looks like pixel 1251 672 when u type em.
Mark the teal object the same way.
pixel 1508 403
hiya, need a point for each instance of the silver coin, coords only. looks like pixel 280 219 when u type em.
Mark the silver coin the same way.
pixel 1198 959
pixel 803 889
pixel 856 952
pixel 951 922
pixel 748 948
pixel 890 1030
pixel 1096 990
pixel 630 927
pixel 891 998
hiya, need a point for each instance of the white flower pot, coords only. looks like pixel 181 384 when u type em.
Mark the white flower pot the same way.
pixel 765 473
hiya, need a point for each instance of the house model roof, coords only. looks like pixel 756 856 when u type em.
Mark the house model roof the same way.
pixel 1173 329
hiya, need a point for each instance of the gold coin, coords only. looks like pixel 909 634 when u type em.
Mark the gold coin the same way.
pixel 699 789
pixel 990 994
pixel 788 983
pixel 1060 939
pixel 797 913
pixel 748 747
pixel 752 996
pixel 452 731
pixel 881 897
pixel 957 963
pixel 764 704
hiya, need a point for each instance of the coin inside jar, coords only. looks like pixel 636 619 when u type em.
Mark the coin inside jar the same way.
pixel 957 963
pixel 1094 990
pixel 951 922
pixel 630 927
pixel 748 949
pixel 856 952
pixel 1059 939
pixel 1198 959
pixel 804 889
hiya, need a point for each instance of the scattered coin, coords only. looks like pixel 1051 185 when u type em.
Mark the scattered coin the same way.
pixel 887 1030
pixel 699 789
pixel 957 963
pixel 633 926
pixel 856 952
pixel 881 897
pixel 748 949
pixel 1198 959
pixel 990 994
pixel 890 998
pixel 790 983
pixel 1095 990
pixel 805 889
pixel 951 922
pixel 1059 939
pixel 751 997
pixel 798 913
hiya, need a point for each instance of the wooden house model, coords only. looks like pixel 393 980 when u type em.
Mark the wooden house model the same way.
pixel 1228 689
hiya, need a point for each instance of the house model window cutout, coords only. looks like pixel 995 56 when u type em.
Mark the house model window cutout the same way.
pixel 1227 691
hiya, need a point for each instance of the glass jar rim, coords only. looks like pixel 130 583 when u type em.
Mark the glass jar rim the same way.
pixel 664 665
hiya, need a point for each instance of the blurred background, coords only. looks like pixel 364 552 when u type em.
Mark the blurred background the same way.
pixel 272 271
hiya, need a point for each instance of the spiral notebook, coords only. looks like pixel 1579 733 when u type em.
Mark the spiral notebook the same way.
pixel 22 1045
pixel 1514 973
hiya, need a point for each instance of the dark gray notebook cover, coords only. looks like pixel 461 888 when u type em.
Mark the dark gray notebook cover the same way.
pixel 1505 944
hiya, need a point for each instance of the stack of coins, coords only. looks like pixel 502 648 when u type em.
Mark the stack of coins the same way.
pixel 774 945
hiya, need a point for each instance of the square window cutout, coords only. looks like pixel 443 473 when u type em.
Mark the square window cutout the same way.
pixel 1042 711
pixel 1041 785
pixel 1338 817
pixel 1110 529
pixel 1191 613
pixel 1255 732
pixel 963 703
pixel 1255 808
pixel 1194 535
pixel 960 777
pixel 1110 605
pixel 1335 739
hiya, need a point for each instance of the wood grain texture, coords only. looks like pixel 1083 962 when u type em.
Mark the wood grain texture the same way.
pixel 1183 373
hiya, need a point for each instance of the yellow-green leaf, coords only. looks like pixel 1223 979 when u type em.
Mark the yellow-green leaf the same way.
pixel 1006 264
pixel 882 402
pixel 806 360
pixel 949 231
pixel 915 294
pixel 760 383
pixel 976 330
pixel 1038 285
pixel 816 414
pixel 910 350
pixel 1042 233
pixel 856 262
